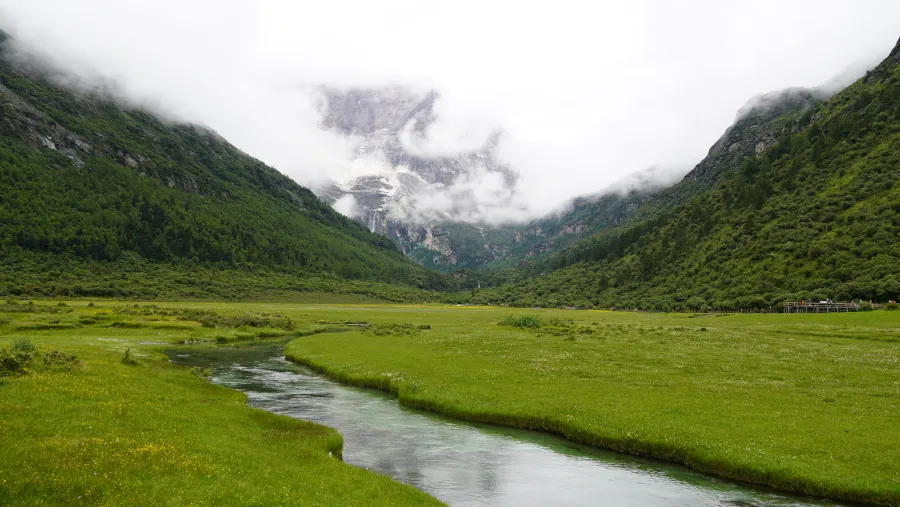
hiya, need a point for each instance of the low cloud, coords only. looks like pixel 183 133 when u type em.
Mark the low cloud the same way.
pixel 586 93
pixel 347 206
pixel 651 178
pixel 481 197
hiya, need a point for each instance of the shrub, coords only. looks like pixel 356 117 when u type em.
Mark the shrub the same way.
pixel 24 346
pixel 5 320
pixel 13 307
pixel 15 360
pixel 526 321
pixel 60 360
pixel 208 320
pixel 129 325
pixel 127 359
pixel 891 307
pixel 391 329
pixel 271 333
pixel 11 363
pixel 865 307
pixel 557 322
pixel 201 372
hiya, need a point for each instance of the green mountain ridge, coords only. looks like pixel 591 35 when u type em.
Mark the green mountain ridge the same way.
pixel 804 207
pixel 90 188
pixel 612 217
pixel 459 246
pixel 795 201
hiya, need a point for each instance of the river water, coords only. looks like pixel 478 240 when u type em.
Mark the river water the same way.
pixel 463 463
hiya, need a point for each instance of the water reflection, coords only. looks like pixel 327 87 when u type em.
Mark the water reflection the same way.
pixel 460 463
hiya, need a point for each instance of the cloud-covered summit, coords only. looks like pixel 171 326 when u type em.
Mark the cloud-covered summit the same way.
pixel 589 92
pixel 403 175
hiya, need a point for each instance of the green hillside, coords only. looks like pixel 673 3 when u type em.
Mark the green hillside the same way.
pixel 91 186
pixel 490 248
pixel 531 245
pixel 813 212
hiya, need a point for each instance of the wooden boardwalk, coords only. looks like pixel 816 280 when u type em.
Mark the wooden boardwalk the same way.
pixel 819 307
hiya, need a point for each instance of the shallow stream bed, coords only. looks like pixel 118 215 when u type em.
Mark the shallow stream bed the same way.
pixel 463 463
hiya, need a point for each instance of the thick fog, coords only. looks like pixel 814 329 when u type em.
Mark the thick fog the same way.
pixel 588 92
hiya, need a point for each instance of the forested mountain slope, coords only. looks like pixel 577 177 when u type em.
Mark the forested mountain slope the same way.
pixel 812 212
pixel 88 182
pixel 535 247
pixel 456 246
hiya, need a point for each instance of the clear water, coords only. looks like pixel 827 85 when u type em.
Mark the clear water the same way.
pixel 463 463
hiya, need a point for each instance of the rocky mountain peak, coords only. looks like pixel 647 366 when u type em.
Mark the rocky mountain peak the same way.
pixel 397 197
pixel 381 117
pixel 778 102
pixel 756 127
pixel 365 111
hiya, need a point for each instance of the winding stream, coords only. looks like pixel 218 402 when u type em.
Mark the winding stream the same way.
pixel 464 463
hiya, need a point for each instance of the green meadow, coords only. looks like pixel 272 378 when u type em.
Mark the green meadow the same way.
pixel 804 403
pixel 807 403
pixel 102 432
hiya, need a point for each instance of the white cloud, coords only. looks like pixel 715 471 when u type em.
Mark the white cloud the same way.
pixel 346 205
pixel 589 92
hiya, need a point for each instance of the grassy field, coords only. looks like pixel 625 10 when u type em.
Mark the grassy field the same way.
pixel 801 402
pixel 108 433
pixel 807 403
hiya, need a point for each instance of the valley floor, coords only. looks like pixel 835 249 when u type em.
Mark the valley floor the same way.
pixel 151 433
pixel 806 403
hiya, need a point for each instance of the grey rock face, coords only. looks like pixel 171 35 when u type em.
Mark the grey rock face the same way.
pixel 390 200
pixel 19 116
pixel 755 130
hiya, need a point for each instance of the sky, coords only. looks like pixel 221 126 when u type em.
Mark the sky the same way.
pixel 589 92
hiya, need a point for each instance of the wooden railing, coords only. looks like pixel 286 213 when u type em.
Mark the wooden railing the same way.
pixel 819 307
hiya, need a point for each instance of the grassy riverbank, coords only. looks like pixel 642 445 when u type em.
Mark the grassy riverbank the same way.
pixel 108 433
pixel 800 402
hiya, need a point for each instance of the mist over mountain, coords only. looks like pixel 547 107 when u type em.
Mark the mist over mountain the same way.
pixel 446 211
pixel 597 96
pixel 448 207
pixel 104 199
pixel 464 157
pixel 797 200
pixel 395 181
